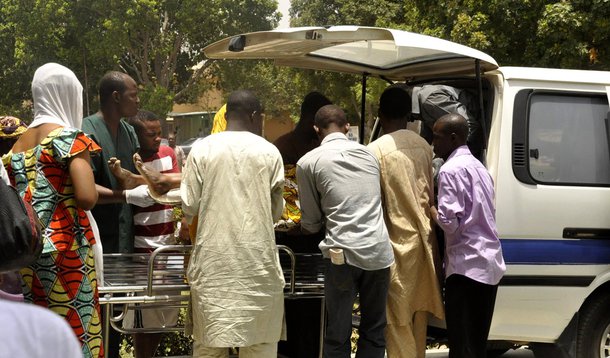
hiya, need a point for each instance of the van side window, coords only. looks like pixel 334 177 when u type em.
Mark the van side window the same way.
pixel 568 138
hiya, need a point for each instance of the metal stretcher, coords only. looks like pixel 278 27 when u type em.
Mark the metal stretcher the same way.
pixel 158 280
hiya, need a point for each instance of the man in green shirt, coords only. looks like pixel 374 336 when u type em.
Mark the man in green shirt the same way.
pixel 113 214
pixel 118 99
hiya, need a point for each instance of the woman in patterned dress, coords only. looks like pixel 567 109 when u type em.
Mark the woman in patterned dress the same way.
pixel 49 166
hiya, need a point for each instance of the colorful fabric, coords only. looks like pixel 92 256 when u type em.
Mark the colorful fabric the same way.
pixel 65 283
pixel 63 278
pixel 11 127
pixel 154 225
pixel 41 176
pixel 291 195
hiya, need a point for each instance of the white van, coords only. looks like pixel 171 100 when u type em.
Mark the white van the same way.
pixel 547 136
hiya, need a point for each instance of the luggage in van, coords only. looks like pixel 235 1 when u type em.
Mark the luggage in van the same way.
pixel 430 102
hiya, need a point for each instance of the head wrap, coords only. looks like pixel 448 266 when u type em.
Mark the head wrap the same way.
pixel 11 127
pixel 58 96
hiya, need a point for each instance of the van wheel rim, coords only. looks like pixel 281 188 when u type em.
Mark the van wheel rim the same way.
pixel 604 349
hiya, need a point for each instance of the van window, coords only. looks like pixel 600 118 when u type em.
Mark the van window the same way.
pixel 568 139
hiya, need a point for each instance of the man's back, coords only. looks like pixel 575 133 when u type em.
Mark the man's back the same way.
pixel 233 180
pixel 346 176
pixel 406 182
pixel 466 205
pixel 238 170
pixel 405 158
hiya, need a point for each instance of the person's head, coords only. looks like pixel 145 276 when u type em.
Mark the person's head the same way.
pixel 148 129
pixel 330 119
pixel 449 132
pixel 119 92
pixel 171 140
pixel 394 109
pixel 312 102
pixel 57 93
pixel 244 112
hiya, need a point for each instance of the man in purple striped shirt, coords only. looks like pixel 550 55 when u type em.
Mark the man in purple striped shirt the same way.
pixel 473 256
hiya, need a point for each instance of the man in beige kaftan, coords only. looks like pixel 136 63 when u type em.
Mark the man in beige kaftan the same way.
pixel 407 189
pixel 234 180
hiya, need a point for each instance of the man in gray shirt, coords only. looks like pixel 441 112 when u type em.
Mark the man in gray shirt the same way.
pixel 339 185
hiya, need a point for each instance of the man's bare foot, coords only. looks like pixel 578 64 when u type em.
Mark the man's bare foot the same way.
pixel 126 179
pixel 158 184
pixel 153 178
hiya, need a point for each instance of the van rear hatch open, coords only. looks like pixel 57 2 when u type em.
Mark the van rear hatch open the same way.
pixel 386 53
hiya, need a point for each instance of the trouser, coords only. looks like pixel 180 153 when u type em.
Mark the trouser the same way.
pixel 341 285
pixel 408 341
pixel 469 309
pixel 302 315
pixel 114 339
pixel 302 328
pixel 261 350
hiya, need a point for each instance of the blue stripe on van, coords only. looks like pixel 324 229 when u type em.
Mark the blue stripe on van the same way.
pixel 556 252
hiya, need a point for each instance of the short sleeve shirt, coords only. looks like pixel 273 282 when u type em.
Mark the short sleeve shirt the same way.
pixel 115 221
pixel 41 177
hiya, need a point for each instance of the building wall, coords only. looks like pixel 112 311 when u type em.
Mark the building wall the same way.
pixel 211 101
pixel 275 127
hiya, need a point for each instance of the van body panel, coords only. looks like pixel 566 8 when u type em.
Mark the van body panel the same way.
pixel 540 312
pixel 539 74
pixel 556 274
pixel 542 211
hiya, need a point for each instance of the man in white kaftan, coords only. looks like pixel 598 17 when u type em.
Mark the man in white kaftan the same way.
pixel 233 181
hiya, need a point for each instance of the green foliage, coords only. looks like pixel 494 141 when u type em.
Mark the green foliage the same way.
pixel 282 89
pixel 156 99
pixel 545 33
pixel 158 42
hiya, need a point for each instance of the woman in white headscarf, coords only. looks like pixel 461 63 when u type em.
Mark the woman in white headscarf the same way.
pixel 49 165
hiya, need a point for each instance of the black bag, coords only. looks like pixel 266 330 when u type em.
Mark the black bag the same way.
pixel 20 230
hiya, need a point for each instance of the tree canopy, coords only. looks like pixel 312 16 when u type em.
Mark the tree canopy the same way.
pixel 539 33
pixel 159 42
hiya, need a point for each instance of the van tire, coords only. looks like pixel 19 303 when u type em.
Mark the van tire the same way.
pixel 593 337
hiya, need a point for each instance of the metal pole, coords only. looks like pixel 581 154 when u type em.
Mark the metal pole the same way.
pixel 362 109
pixel 477 64
pixel 106 335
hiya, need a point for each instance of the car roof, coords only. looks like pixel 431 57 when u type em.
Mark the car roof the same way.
pixel 380 52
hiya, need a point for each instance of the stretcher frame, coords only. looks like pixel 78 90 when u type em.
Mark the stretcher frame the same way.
pixel 158 280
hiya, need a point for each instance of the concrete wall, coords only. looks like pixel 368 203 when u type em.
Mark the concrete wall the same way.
pixel 188 126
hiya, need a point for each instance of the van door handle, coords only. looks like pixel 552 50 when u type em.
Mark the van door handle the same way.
pixel 534 153
pixel 586 233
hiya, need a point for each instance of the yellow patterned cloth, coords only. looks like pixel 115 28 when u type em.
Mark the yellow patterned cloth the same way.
pixel 292 211
pixel 11 127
